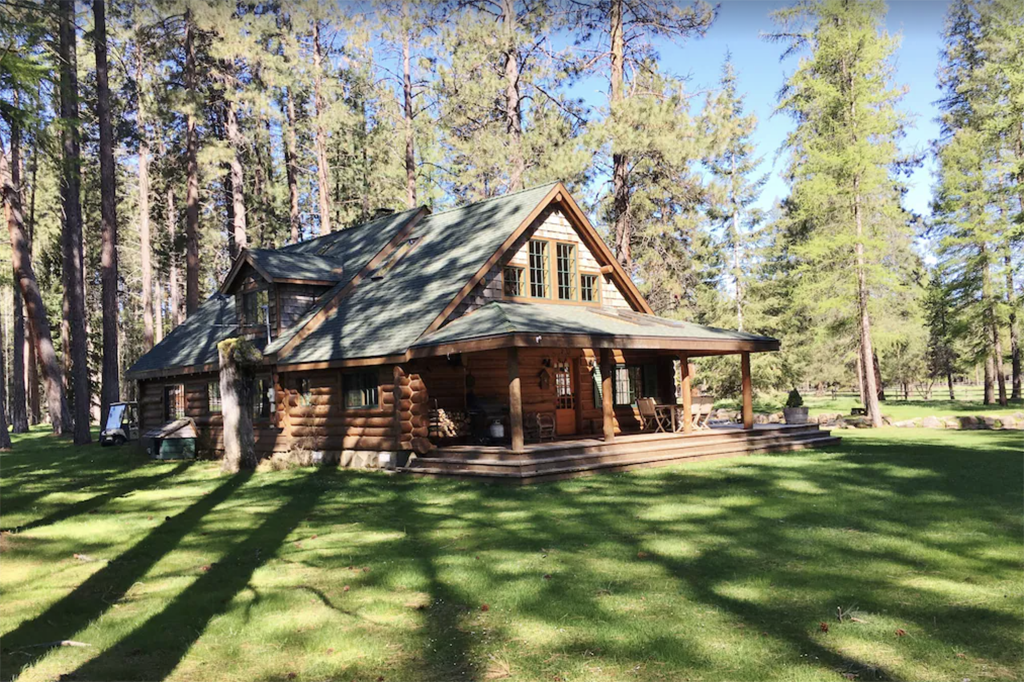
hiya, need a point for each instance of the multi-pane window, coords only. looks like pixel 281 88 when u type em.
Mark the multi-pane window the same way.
pixel 261 407
pixel 174 402
pixel 512 281
pixel 627 384
pixel 563 386
pixel 213 396
pixel 255 308
pixel 565 271
pixel 540 264
pixel 589 289
pixel 360 389
pixel 635 381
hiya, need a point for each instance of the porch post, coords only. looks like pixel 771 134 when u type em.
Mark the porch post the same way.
pixel 607 399
pixel 684 373
pixel 748 393
pixel 515 400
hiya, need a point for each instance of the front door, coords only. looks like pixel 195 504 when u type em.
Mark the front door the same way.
pixel 565 398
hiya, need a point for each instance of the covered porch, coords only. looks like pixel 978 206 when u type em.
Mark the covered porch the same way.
pixel 556 372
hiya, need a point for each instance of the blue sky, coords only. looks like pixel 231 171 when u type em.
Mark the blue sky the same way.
pixel 761 74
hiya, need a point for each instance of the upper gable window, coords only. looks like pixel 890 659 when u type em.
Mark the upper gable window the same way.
pixel 565 270
pixel 255 308
pixel 590 289
pixel 513 283
pixel 540 265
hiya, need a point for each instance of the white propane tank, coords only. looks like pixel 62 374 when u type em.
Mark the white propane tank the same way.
pixel 497 429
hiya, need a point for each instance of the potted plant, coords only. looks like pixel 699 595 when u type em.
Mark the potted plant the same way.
pixel 794 411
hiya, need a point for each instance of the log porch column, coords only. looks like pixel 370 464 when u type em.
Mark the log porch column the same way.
pixel 685 389
pixel 748 393
pixel 515 400
pixel 607 398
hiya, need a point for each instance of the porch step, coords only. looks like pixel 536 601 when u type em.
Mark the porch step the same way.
pixel 554 468
pixel 593 446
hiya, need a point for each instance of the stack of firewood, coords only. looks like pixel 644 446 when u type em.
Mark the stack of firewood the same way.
pixel 448 423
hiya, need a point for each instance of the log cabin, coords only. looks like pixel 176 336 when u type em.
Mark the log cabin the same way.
pixel 500 339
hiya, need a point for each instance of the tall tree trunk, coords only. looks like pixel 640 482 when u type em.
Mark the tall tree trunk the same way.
pixel 237 180
pixel 949 383
pixel 991 333
pixel 1011 300
pixel 5 436
pixel 158 312
pixel 173 277
pixel 25 280
pixel 997 361
pixel 19 416
pixel 860 375
pixel 407 112
pixel 229 212
pixel 236 388
pixel 620 162
pixel 322 169
pixel 110 383
pixel 192 186
pixel 35 411
pixel 867 353
pixel 513 100
pixel 73 261
pixel 290 161
pixel 145 247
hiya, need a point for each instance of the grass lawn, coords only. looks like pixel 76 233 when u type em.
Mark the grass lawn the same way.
pixel 896 409
pixel 724 570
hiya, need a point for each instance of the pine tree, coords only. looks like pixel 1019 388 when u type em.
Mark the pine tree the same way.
pixel 843 153
pixel 733 164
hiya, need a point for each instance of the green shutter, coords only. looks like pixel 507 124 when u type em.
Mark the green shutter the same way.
pixel 596 378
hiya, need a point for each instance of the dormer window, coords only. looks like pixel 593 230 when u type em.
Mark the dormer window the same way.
pixel 255 308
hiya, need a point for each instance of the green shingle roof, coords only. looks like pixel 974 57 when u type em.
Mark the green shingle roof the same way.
pixel 507 317
pixel 387 316
pixel 194 341
pixel 292 265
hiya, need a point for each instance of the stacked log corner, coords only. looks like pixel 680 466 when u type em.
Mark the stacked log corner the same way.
pixel 411 409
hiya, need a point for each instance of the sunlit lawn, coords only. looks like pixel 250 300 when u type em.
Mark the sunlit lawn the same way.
pixel 724 570
pixel 895 408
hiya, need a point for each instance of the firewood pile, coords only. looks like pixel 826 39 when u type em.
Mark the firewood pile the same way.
pixel 448 424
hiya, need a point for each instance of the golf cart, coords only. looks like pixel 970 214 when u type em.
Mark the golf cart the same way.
pixel 122 424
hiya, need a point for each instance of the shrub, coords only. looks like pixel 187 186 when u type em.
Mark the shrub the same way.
pixel 794 399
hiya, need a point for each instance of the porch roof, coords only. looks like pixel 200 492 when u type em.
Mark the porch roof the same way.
pixel 508 323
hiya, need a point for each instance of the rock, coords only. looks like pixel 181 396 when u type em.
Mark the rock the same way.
pixel 904 425
pixel 1019 416
pixel 968 421
pixel 932 423
pixel 951 422
pixel 1010 423
pixel 760 418
pixel 774 418
pixel 989 422
pixel 886 421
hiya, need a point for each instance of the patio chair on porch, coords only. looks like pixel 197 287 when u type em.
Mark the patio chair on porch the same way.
pixel 650 420
pixel 539 426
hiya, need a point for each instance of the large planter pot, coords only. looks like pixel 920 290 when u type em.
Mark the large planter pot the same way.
pixel 795 415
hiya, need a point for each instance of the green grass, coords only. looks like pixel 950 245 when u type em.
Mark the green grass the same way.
pixel 722 570
pixel 895 409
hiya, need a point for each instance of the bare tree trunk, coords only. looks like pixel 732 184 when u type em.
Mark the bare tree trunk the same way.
pixel 997 358
pixel 868 355
pixel 513 99
pixel 291 172
pixel 236 405
pixel 737 271
pixel 620 162
pixel 74 263
pixel 860 375
pixel 949 382
pixel 145 237
pixel 1011 300
pixel 173 277
pixel 5 436
pixel 192 186
pixel 991 333
pixel 990 371
pixel 158 310
pixel 25 278
pixel 322 169
pixel 19 416
pixel 407 111
pixel 31 360
pixel 110 383
pixel 237 179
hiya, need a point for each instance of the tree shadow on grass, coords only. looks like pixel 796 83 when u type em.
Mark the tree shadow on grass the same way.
pixel 34 638
pixel 154 649
pixel 122 487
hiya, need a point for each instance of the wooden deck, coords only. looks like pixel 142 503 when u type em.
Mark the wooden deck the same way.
pixel 586 455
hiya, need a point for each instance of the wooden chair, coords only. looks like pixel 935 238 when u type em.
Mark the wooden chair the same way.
pixel 649 418
pixel 539 426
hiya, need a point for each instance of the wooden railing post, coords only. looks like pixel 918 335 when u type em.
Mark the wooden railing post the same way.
pixel 607 397
pixel 684 372
pixel 748 392
pixel 515 400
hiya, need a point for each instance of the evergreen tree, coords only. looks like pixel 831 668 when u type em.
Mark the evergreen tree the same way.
pixel 843 154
